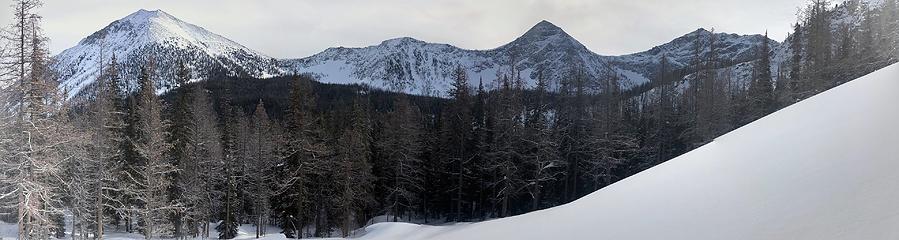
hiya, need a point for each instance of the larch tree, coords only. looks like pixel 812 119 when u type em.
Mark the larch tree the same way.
pixel 263 138
pixel 542 163
pixel 149 178
pixel 37 136
pixel 503 158
pixel 199 174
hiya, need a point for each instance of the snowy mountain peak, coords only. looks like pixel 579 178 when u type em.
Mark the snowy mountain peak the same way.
pixel 401 42
pixel 158 35
pixel 546 27
pixel 545 33
pixel 144 15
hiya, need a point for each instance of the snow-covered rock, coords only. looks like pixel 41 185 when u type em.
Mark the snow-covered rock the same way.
pixel 426 68
pixel 143 35
pixel 821 169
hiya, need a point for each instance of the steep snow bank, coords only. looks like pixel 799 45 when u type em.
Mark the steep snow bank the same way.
pixel 822 169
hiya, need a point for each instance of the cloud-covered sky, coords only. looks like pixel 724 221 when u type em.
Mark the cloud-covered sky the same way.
pixel 299 28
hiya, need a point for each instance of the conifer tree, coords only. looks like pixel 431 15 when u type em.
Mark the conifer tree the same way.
pixel 231 172
pixel 457 140
pixel 401 144
pixel 354 167
pixel 303 160
pixel 262 147
pixel 761 96
pixel 180 138
pixel 149 180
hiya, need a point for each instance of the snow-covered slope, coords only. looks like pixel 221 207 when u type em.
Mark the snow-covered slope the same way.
pixel 821 169
pixel 425 68
pixel 145 34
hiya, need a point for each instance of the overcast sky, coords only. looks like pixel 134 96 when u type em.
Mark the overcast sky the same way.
pixel 299 28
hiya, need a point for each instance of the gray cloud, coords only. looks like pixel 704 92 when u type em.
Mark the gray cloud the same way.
pixel 298 28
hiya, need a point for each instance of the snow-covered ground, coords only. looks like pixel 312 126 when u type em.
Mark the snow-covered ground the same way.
pixel 822 169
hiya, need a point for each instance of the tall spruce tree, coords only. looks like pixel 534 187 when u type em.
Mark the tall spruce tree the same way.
pixel 303 160
pixel 263 138
pixel 457 137
pixel 761 96
pixel 402 147
pixel 354 170
pixel 180 137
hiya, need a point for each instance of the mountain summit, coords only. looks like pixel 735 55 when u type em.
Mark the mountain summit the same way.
pixel 543 31
pixel 157 35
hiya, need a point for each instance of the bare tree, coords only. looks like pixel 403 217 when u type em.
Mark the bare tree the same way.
pixel 148 174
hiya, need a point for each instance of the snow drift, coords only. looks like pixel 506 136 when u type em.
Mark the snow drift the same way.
pixel 824 168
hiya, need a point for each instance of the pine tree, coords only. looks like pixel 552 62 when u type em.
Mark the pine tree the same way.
pixel 889 36
pixel 303 159
pixel 402 147
pixel 109 139
pixel 354 167
pixel 818 49
pixel 665 128
pixel 232 171
pixel 180 138
pixel 761 96
pixel 457 140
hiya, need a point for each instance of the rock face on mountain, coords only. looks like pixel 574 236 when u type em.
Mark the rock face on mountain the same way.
pixel 155 36
pixel 545 50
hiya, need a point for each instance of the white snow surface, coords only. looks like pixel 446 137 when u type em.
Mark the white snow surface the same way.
pixel 822 169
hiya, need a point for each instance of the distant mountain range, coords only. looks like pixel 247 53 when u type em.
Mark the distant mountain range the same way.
pixel 403 64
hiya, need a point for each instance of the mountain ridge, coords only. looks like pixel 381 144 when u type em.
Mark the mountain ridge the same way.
pixel 425 68
pixel 400 64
